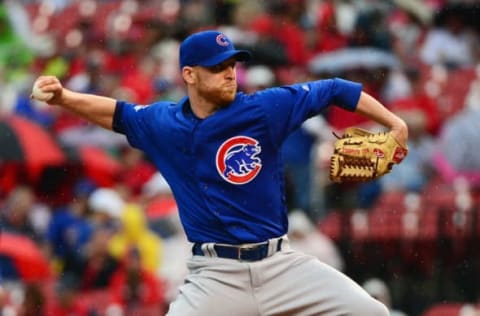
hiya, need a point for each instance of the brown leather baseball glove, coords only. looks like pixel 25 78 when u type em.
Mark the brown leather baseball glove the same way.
pixel 361 155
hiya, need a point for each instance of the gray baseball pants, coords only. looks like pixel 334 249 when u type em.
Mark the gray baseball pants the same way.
pixel 286 283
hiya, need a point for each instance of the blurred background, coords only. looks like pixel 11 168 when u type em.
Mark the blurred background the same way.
pixel 88 227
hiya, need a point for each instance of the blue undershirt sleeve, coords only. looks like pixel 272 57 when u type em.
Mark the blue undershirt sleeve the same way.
pixel 132 121
pixel 117 116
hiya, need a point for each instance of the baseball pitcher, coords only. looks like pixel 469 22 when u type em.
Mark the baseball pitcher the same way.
pixel 218 148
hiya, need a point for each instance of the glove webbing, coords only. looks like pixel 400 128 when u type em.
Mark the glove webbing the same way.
pixel 352 169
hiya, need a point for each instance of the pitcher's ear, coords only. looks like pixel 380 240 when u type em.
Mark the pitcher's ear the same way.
pixel 188 74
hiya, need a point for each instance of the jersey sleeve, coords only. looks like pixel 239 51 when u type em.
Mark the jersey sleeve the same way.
pixel 133 121
pixel 289 106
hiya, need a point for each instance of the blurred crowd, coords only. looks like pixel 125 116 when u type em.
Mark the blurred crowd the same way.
pixel 112 240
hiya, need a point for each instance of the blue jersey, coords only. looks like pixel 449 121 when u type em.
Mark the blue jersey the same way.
pixel 225 171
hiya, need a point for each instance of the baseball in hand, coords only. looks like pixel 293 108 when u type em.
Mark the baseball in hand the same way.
pixel 39 95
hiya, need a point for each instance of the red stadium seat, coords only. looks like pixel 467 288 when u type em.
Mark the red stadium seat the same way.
pixel 331 225
pixel 455 92
pixel 443 309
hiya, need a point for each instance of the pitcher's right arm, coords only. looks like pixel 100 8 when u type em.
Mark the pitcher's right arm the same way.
pixel 96 109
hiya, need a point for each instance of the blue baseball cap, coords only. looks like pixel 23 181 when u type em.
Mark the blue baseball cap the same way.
pixel 209 48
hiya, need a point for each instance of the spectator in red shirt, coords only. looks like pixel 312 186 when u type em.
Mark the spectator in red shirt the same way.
pixel 328 36
pixel 280 25
pixel 134 287
pixel 65 302
pixel 136 170
pixel 95 267
pixel 419 100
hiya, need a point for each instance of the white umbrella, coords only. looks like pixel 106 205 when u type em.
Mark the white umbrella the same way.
pixel 91 135
pixel 353 58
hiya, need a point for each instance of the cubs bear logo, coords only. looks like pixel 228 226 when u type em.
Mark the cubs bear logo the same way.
pixel 237 160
